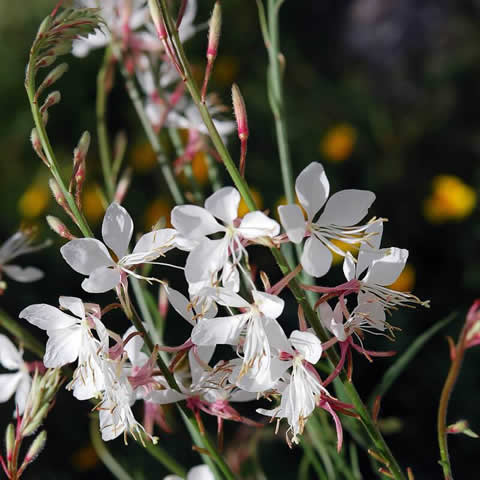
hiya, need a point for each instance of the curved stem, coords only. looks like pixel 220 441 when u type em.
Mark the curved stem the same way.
pixel 102 134
pixel 447 390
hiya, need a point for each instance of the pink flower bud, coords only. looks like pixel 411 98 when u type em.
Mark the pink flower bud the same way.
pixel 215 27
pixel 157 18
pixel 57 193
pixel 59 228
pixel 240 112
pixel 37 146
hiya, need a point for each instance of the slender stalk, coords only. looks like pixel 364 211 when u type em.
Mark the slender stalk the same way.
pixel 299 294
pixel 165 459
pixel 102 134
pixel 151 135
pixel 26 338
pixel 48 150
pixel 447 390
pixel 103 453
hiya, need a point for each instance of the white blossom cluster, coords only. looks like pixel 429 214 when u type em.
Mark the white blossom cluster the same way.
pixel 224 306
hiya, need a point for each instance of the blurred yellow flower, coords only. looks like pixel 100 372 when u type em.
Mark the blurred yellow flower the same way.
pixel 243 209
pixel 85 458
pixel 406 280
pixel 34 201
pixel 338 143
pixel 451 199
pixel 344 246
pixel 200 168
pixel 93 207
pixel 157 209
pixel 143 158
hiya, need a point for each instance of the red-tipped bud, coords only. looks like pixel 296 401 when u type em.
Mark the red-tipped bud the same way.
pixel 122 186
pixel 57 193
pixel 242 125
pixel 59 228
pixel 10 441
pixel 52 99
pixel 52 77
pixel 215 27
pixel 162 302
pixel 37 146
pixel 157 18
pixel 81 150
pixel 240 112
pixel 35 448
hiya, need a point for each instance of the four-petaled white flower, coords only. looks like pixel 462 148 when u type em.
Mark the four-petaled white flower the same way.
pixel 200 472
pixel 342 211
pixel 211 256
pixel 18 382
pixel 91 257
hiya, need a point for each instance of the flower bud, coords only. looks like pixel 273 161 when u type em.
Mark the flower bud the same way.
pixel 83 145
pixel 52 99
pixel 37 146
pixel 35 448
pixel 240 113
pixel 44 26
pixel 122 186
pixel 36 421
pixel 59 228
pixel 215 27
pixel 9 440
pixel 52 77
pixel 57 193
pixel 45 61
pixel 162 302
pixel 461 427
pixel 157 18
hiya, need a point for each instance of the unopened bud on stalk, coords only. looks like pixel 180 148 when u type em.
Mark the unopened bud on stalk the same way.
pixel 59 228
pixel 79 166
pixel 123 185
pixel 36 421
pixel 215 27
pixel 46 61
pixel 35 448
pixel 9 441
pixel 81 150
pixel 52 77
pixel 461 427
pixel 52 99
pixel 242 125
pixel 57 193
pixel 162 302
pixel 37 146
pixel 44 26
pixel 157 18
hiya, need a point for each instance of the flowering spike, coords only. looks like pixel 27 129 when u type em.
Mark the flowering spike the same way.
pixel 59 228
pixel 242 125
pixel 215 27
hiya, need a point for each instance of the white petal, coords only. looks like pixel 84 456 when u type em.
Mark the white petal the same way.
pixel 23 389
pixel 224 296
pixel 220 330
pixel 293 221
pixel 200 472
pixel 257 224
pixel 181 304
pixel 62 347
pixel 371 310
pixel 10 357
pixel 47 317
pixel 206 260
pixel 117 229
pixel 23 274
pixel 101 280
pixel 346 207
pixel 163 397
pixel 307 344
pixel 74 305
pixel 85 255
pixel 230 277
pixel 349 266
pixel 134 348
pixel 369 250
pixel 316 257
pixel 332 320
pixel 251 382
pixel 312 188
pixel 276 336
pixel 194 222
pixel 223 204
pixel 198 369
pixel 151 246
pixel 270 305
pixel 8 384
pixel 385 270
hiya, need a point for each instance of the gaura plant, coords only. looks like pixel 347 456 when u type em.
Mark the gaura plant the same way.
pixel 306 373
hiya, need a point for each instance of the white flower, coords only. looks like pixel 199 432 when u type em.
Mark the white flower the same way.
pixel 91 257
pixel 70 338
pixel 302 388
pixel 343 210
pixel 18 382
pixel 211 256
pixel 19 244
pixel 253 332
pixel 200 472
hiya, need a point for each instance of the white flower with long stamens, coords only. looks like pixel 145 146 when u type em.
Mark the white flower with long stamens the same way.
pixel 200 472
pixel 341 212
pixel 376 268
pixel 211 256
pixel 19 244
pixel 91 257
pixel 302 387
pixel 70 338
pixel 18 382
pixel 253 332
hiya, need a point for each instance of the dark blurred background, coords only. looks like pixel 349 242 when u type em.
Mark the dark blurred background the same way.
pixel 384 93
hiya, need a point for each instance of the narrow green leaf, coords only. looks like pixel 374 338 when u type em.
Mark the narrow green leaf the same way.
pixel 404 360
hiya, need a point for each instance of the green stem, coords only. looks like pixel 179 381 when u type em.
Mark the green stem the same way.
pixel 321 475
pixel 165 459
pixel 102 134
pixel 151 135
pixel 103 453
pixel 24 336
pixel 447 390
pixel 48 150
